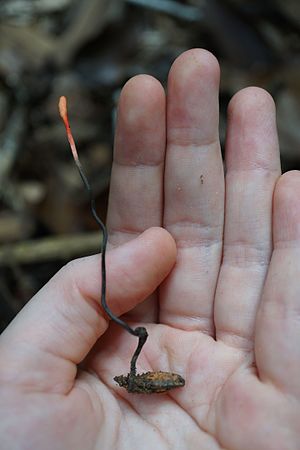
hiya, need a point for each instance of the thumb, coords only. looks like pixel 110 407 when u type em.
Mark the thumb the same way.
pixel 60 325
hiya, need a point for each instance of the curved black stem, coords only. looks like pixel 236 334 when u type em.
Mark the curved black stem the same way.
pixel 142 339
pixel 135 332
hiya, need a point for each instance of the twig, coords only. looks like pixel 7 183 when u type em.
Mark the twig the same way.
pixel 184 12
pixel 11 142
pixel 47 249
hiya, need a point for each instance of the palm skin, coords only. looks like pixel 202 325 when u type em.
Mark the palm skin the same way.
pixel 223 311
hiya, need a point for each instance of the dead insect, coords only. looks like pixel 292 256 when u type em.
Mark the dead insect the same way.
pixel 149 382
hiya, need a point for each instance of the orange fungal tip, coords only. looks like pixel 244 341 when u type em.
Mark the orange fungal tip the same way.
pixel 62 106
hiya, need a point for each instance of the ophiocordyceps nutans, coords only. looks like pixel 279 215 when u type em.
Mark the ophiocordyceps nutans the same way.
pixel 145 383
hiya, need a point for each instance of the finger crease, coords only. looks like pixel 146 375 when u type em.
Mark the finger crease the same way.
pixel 186 137
pixel 236 339
pixel 139 165
pixel 195 234
pixel 244 255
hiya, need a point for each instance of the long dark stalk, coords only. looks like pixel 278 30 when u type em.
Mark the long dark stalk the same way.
pixel 140 332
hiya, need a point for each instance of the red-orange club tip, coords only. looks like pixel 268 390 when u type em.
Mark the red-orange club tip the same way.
pixel 63 111
pixel 62 106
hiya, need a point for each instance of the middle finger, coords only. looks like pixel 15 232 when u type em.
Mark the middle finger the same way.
pixel 194 191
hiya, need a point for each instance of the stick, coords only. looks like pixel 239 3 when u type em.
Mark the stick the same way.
pixel 58 247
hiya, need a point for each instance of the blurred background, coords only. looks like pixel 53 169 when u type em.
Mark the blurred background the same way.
pixel 87 50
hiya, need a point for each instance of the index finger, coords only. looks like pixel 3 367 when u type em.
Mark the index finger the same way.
pixel 136 190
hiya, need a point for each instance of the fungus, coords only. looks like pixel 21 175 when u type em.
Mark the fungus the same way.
pixel 145 383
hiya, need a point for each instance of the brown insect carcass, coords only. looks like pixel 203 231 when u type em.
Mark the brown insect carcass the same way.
pixel 150 382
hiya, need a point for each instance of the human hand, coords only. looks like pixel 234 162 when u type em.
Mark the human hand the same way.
pixel 226 317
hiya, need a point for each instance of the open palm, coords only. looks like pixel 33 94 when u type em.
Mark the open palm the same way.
pixel 225 314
